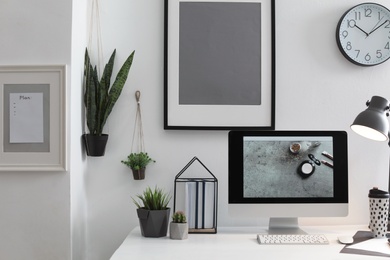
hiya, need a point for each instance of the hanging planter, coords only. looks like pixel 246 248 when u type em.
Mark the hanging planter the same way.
pixel 138 174
pixel 100 98
pixel 137 161
pixel 99 95
pixel 95 144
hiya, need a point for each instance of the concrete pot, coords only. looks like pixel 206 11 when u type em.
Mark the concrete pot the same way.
pixel 178 230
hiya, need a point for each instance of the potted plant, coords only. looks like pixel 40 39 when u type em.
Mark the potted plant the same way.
pixel 153 212
pixel 178 228
pixel 99 99
pixel 137 162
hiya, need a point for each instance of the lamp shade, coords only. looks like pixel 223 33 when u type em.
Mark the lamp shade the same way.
pixel 372 123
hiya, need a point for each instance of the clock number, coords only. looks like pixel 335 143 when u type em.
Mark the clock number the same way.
pixel 387 26
pixel 379 16
pixel 344 34
pixel 357 53
pixel 351 23
pixel 367 12
pixel 379 54
pixel 358 15
pixel 367 57
pixel 387 46
pixel 349 46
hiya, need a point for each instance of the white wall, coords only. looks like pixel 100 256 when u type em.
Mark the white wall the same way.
pixel 35 206
pixel 317 88
pixel 77 156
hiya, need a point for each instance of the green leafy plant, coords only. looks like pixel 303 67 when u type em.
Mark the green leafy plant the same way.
pixel 179 217
pixel 138 161
pixel 155 199
pixel 99 97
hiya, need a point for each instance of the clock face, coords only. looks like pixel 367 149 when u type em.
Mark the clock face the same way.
pixel 363 34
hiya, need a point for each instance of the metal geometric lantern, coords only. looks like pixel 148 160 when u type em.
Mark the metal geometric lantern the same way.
pixel 197 196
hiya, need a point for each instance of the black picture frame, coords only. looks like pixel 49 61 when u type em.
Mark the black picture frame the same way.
pixel 212 97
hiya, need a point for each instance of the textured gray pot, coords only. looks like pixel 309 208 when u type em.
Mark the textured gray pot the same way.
pixel 178 230
pixel 153 223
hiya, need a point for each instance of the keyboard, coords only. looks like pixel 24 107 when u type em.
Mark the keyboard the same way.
pixel 295 239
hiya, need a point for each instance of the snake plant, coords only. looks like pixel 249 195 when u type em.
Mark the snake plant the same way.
pixel 99 97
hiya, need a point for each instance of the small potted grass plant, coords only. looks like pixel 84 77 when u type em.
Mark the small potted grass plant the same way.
pixel 137 162
pixel 178 228
pixel 153 212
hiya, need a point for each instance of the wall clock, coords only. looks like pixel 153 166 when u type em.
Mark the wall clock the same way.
pixel 363 34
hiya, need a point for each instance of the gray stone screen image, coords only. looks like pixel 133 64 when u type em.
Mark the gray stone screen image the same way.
pixel 271 167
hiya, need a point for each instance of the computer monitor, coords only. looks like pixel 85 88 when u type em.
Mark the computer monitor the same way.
pixel 284 175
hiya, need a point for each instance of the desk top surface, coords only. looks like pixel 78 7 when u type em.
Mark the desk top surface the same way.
pixel 236 243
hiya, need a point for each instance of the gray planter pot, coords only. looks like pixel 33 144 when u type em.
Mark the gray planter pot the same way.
pixel 153 223
pixel 178 230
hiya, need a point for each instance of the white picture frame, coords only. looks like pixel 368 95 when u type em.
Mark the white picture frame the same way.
pixel 33 118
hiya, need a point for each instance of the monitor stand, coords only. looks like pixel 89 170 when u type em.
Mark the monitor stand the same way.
pixel 284 226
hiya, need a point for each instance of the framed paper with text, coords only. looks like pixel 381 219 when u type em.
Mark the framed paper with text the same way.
pixel 33 118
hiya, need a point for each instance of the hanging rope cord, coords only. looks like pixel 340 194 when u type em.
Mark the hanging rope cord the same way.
pixel 138 129
pixel 94 20
pixel 95 29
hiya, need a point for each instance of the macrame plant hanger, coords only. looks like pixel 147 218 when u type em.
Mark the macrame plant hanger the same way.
pixel 138 140
pixel 94 144
pixel 94 24
pixel 138 129
pixel 95 28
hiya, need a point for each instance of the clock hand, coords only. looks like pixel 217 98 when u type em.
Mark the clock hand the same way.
pixel 361 30
pixel 376 24
pixel 373 30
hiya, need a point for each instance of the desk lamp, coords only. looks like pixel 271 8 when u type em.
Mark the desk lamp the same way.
pixel 372 123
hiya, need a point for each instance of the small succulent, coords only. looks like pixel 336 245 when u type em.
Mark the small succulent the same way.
pixel 138 161
pixel 179 217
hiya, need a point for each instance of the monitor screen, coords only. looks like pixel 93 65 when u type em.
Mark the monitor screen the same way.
pixel 287 174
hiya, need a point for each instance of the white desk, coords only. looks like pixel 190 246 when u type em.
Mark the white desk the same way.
pixel 234 243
